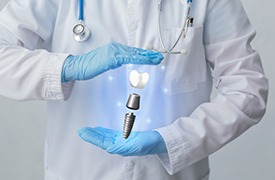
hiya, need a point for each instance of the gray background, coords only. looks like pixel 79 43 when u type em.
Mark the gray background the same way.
pixel 250 157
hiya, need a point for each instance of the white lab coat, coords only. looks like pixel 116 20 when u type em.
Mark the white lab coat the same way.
pixel 36 37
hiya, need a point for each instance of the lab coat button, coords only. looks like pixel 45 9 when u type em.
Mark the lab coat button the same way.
pixel 133 26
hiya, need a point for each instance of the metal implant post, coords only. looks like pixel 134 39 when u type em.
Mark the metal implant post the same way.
pixel 128 124
pixel 133 104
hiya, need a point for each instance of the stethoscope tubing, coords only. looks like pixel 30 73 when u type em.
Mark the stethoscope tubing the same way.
pixel 183 30
pixel 80 15
pixel 166 50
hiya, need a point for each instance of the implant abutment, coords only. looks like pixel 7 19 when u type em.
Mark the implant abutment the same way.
pixel 133 101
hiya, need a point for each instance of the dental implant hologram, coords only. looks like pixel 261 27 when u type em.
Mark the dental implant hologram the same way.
pixel 137 80
pixel 133 103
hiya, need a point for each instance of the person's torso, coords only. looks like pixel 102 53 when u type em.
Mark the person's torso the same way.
pixel 175 88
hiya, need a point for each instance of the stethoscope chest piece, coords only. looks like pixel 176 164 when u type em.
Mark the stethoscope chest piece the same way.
pixel 81 32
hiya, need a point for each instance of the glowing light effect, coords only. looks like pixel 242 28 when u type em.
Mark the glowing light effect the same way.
pixel 111 78
pixel 119 104
pixel 130 65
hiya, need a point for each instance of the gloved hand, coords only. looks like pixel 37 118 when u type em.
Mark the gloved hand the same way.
pixel 138 143
pixel 110 56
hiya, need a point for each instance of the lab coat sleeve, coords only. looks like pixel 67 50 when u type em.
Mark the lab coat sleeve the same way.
pixel 241 84
pixel 28 73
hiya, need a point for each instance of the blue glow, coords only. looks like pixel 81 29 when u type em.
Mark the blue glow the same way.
pixel 163 67
pixel 148 120
pixel 111 78
pixel 119 104
pixel 130 65
pixel 165 90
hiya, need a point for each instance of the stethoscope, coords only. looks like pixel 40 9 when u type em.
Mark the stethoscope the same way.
pixel 81 32
pixel 187 22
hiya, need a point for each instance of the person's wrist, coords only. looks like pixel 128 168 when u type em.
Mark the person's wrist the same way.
pixel 161 144
pixel 67 73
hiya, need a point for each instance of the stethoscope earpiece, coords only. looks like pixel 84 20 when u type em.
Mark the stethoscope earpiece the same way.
pixel 81 32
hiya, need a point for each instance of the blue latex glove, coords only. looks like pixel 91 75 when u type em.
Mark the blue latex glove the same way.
pixel 137 144
pixel 110 56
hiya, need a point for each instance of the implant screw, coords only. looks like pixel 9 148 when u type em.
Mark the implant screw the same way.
pixel 128 124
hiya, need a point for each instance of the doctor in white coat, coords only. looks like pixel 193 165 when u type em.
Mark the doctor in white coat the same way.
pixel 86 84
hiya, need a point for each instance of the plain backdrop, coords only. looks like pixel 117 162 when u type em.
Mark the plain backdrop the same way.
pixel 250 157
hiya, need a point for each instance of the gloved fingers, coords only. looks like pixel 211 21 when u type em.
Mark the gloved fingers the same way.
pixel 96 136
pixel 141 56
pixel 138 143
pixel 133 55
pixel 123 148
pixel 102 59
pixel 144 52
pixel 126 147
pixel 124 151
pixel 105 132
pixel 150 59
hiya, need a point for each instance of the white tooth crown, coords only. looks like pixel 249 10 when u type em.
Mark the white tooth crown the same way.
pixel 138 80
